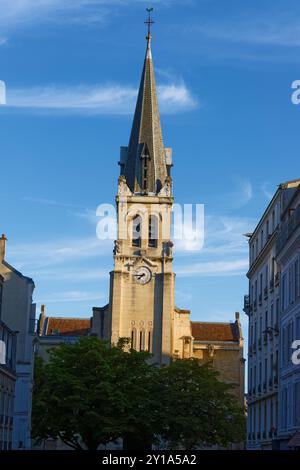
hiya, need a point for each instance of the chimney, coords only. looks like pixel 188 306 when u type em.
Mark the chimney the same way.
pixel 41 321
pixel 237 316
pixel 3 240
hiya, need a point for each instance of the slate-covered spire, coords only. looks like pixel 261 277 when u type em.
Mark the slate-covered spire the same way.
pixel 144 163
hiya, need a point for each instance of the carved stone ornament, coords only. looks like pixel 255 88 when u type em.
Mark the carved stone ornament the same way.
pixel 123 189
pixel 166 190
pixel 117 247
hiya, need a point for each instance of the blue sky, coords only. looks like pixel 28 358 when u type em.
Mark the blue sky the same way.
pixel 71 68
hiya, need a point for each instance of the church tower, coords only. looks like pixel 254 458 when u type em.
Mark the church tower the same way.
pixel 141 305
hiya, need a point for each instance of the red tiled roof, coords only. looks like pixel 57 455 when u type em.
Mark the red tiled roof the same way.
pixel 68 326
pixel 215 331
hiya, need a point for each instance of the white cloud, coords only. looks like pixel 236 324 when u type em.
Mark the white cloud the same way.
pixel 266 191
pixel 96 99
pixel 3 41
pixel 214 268
pixel 175 97
pixel 63 273
pixel 74 209
pixel 71 296
pixel 21 13
pixel 33 256
pixel 246 192
pixel 271 29
pixel 242 193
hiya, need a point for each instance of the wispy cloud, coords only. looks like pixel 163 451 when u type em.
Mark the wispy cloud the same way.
pixel 270 29
pixel 77 210
pixel 214 268
pixel 97 99
pixel 33 256
pixel 266 190
pixel 71 296
pixel 21 13
pixel 3 41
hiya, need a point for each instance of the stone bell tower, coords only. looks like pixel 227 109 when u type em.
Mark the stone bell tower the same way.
pixel 141 305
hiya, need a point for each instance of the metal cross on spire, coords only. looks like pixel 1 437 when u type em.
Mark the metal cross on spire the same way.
pixel 149 22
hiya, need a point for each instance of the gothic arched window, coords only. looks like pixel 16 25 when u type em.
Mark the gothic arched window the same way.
pixel 153 231
pixel 142 340
pixel 136 231
pixel 149 342
pixel 133 338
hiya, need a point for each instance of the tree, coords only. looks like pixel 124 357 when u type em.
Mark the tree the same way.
pixel 198 409
pixel 90 394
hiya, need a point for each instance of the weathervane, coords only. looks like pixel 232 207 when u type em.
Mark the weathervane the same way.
pixel 149 22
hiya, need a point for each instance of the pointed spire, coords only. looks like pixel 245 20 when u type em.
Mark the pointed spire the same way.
pixel 145 168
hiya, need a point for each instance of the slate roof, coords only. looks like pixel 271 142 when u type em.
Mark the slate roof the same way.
pixel 222 332
pixel 146 135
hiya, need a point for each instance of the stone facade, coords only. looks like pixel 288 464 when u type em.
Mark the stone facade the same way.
pixel 18 313
pixel 7 383
pixel 288 258
pixel 263 307
pixel 142 284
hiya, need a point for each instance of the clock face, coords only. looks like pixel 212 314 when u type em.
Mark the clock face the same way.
pixel 142 275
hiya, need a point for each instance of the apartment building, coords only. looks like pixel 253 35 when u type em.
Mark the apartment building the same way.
pixel 263 307
pixel 288 258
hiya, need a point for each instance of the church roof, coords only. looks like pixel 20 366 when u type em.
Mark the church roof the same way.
pixel 202 331
pixel 146 139
pixel 66 326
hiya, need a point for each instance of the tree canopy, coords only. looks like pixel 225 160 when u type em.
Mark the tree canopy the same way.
pixel 90 394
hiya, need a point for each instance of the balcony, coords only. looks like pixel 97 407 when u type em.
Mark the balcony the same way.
pixel 264 435
pixel 247 305
pixel 271 382
pixel 270 333
pixel 258 435
pixel 259 388
pixel 265 386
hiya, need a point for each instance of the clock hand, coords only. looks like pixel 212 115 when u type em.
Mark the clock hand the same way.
pixel 139 275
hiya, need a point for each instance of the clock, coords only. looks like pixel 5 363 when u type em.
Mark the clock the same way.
pixel 142 275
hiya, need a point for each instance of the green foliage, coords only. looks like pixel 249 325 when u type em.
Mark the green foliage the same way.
pixel 198 409
pixel 90 394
